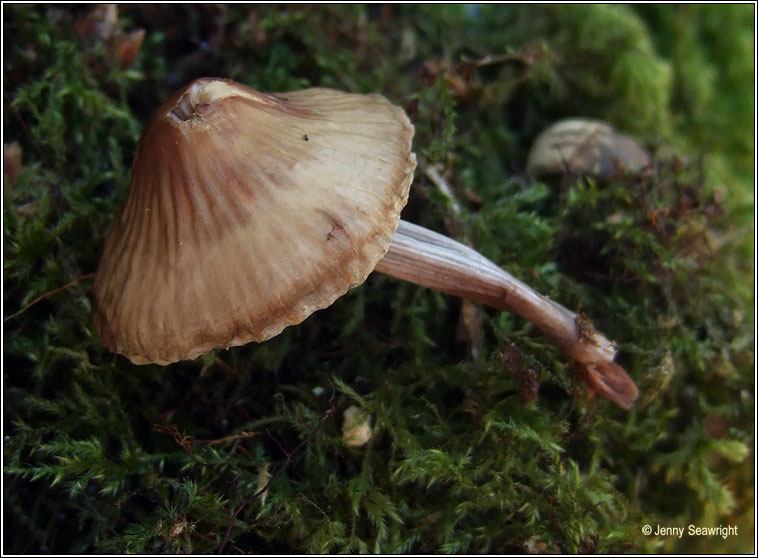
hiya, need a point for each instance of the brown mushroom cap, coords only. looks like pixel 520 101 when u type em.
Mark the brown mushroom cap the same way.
pixel 246 213
pixel 585 147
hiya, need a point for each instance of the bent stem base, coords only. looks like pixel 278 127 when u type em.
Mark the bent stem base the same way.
pixel 432 260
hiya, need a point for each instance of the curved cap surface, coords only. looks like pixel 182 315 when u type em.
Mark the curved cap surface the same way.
pixel 246 213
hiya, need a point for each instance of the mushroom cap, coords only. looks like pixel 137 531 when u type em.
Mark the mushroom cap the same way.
pixel 586 147
pixel 246 213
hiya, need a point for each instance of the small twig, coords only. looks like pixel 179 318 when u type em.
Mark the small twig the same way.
pixel 240 436
pixel 49 293
pixel 470 317
pixel 433 174
pixel 187 443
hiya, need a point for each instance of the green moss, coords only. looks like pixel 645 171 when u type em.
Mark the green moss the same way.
pixel 593 60
pixel 242 450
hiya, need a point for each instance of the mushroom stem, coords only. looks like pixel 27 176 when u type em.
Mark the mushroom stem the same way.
pixel 432 260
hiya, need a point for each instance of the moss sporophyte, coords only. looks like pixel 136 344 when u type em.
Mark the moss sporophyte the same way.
pixel 286 227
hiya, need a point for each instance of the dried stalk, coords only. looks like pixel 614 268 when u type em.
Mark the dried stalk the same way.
pixel 432 260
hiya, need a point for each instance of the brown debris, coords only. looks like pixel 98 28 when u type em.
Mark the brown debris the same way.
pixel 11 162
pixel 101 25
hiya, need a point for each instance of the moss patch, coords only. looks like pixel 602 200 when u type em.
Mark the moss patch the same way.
pixel 242 450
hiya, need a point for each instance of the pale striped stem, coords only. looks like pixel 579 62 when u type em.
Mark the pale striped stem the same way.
pixel 432 260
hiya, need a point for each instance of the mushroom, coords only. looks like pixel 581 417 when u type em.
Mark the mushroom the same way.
pixel 356 427
pixel 248 211
pixel 582 146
